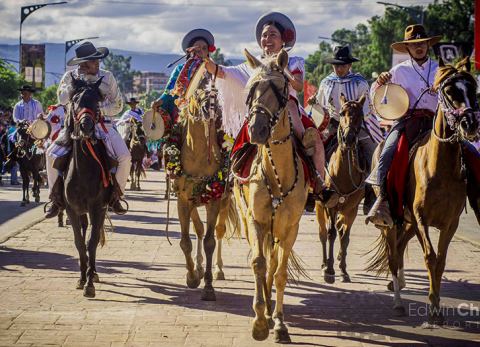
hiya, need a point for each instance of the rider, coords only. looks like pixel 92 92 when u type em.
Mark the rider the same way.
pixel 274 31
pixel 28 108
pixel 352 85
pixel 88 60
pixel 134 112
pixel 416 76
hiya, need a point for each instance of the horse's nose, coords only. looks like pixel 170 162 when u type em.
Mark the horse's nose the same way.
pixel 86 126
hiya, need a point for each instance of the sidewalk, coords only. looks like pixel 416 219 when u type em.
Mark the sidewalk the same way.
pixel 142 299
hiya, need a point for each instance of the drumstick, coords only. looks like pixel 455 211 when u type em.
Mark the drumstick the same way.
pixel 384 99
pixel 176 61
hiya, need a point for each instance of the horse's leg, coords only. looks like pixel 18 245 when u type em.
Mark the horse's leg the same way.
pixel 329 272
pixel 322 231
pixel 139 173
pixel 209 247
pixel 200 232
pixel 259 267
pixel 80 245
pixel 272 268
pixel 284 249
pixel 36 184
pixel 220 231
pixel 344 225
pixel 60 219
pixel 97 218
pixel 184 212
pixel 25 185
pixel 402 245
pixel 132 176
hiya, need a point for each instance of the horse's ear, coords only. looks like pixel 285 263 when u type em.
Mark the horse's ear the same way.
pixel 464 64
pixel 441 63
pixel 98 82
pixel 251 60
pixel 282 59
pixel 343 99
pixel 362 99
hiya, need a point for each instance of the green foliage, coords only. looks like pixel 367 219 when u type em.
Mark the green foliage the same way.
pixel 371 43
pixel 48 96
pixel 120 67
pixel 146 99
pixel 10 81
pixel 219 58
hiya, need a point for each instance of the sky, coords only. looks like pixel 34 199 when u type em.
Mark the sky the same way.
pixel 159 25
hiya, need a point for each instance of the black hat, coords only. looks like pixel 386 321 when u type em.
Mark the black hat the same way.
pixel 28 88
pixel 133 101
pixel 341 56
pixel 87 51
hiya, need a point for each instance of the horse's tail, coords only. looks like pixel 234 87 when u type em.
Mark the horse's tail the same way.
pixel 232 223
pixel 104 229
pixel 379 261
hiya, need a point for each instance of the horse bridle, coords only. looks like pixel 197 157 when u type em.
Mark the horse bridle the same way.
pixel 450 113
pixel 341 132
pixel 23 145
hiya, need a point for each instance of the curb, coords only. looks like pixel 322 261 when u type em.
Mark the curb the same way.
pixel 6 235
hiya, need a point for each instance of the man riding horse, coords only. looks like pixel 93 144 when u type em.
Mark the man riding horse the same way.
pixel 416 76
pixel 88 60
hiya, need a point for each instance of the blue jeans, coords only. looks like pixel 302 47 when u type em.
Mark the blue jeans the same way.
pixel 13 173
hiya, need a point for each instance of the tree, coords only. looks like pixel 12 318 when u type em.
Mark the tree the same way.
pixel 219 58
pixel 48 96
pixel 10 81
pixel 120 67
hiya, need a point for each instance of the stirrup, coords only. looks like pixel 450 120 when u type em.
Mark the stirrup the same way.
pixel 380 214
pixel 51 209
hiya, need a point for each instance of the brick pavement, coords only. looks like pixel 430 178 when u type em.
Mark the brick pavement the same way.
pixel 142 299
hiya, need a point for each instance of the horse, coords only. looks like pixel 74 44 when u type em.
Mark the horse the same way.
pixel 87 188
pixel 29 158
pixel 436 190
pixel 201 182
pixel 346 176
pixel 273 197
pixel 137 144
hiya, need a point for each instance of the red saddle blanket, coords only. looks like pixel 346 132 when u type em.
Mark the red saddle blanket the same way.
pixel 242 143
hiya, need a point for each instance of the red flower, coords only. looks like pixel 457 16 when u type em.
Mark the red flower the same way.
pixel 55 119
pixel 212 48
pixel 288 35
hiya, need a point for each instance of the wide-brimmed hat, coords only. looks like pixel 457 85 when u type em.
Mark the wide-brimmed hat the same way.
pixel 132 101
pixel 196 34
pixel 341 55
pixel 289 34
pixel 86 52
pixel 27 88
pixel 414 33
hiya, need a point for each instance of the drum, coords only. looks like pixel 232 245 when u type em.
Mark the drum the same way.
pixel 195 81
pixel 317 114
pixel 153 125
pixel 40 129
pixel 390 101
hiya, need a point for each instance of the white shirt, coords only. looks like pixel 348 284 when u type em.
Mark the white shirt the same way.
pixel 353 86
pixel 137 114
pixel 412 77
pixel 27 110
pixel 113 100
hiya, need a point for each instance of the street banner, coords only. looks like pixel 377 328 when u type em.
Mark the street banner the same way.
pixel 33 64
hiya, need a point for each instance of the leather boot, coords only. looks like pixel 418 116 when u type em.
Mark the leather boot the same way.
pixel 328 197
pixel 380 214
pixel 369 199
pixel 56 203
pixel 115 201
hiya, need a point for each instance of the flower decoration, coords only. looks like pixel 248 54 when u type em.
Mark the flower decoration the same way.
pixel 212 48
pixel 288 35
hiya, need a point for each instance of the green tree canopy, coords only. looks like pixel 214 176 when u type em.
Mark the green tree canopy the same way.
pixel 48 96
pixel 10 81
pixel 120 67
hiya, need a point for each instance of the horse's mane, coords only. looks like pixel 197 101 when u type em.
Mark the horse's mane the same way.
pixel 446 71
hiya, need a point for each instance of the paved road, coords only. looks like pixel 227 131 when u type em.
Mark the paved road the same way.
pixel 142 299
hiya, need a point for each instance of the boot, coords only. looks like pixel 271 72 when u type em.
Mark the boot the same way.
pixel 369 199
pixel 328 197
pixel 380 213
pixel 56 203
pixel 116 198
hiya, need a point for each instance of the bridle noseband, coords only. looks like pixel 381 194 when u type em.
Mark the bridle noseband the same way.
pixel 341 131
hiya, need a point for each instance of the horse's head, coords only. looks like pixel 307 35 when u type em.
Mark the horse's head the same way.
pixel 84 97
pixel 23 139
pixel 351 116
pixel 137 131
pixel 204 104
pixel 456 90
pixel 267 96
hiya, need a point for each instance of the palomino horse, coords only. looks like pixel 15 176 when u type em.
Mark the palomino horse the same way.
pixel 87 182
pixel 137 144
pixel 436 189
pixel 29 160
pixel 202 162
pixel 273 199
pixel 346 176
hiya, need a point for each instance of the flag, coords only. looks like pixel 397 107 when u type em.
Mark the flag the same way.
pixel 308 91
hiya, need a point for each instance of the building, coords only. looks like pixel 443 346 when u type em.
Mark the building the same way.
pixel 148 81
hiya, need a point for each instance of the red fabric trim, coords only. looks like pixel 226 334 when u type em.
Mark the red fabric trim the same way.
pixel 105 180
pixel 397 176
pixel 55 135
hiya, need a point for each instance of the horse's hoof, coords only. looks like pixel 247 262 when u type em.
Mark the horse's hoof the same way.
pixel 89 291
pixel 60 224
pixel 37 199
pixel 95 278
pixel 219 275
pixel 281 336
pixel 260 329
pixel 390 286
pixel 200 272
pixel 345 278
pixel 81 284
pixel 436 318
pixel 193 282
pixel 271 322
pixel 209 294
pixel 329 277
pixel 399 311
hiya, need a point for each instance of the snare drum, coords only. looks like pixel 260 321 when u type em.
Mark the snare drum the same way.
pixel 390 101
pixel 154 125
pixel 40 129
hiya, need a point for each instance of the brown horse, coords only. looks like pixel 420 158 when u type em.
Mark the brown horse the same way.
pixel 273 199
pixel 436 188
pixel 201 161
pixel 345 175
pixel 137 144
